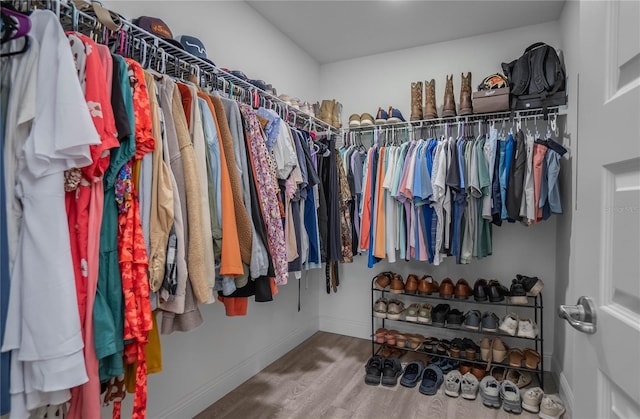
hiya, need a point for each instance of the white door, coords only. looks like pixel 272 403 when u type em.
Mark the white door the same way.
pixel 606 218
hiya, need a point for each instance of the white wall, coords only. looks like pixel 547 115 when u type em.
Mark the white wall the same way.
pixel 203 365
pixel 238 38
pixel 565 289
pixel 362 85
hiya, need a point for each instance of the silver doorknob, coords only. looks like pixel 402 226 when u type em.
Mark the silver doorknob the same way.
pixel 582 316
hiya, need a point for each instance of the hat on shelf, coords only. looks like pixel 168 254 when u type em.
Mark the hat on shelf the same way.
pixel 156 26
pixel 194 46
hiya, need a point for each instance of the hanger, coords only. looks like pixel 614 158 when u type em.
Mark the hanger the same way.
pixel 15 25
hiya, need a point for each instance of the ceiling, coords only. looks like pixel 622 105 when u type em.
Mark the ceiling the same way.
pixel 331 31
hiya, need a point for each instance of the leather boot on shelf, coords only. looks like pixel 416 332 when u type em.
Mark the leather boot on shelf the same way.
pixel 430 109
pixel 466 107
pixel 326 111
pixel 416 101
pixel 336 116
pixel 449 107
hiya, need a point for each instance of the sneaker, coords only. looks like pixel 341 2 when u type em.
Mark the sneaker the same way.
pixel 395 115
pixel 383 279
pixel 411 313
pixel 471 320
pixel 452 383
pixel 510 395
pixel 380 308
pixel 551 407
pixel 381 116
pixel 412 374
pixel 531 399
pixel 424 314
pixel 469 386
pixel 395 309
pixel 454 318
pixel 518 295
pixel 532 285
pixel 509 324
pixel 490 322
pixel 490 392
pixel 373 370
pixel 519 378
pixel 527 329
pixel 439 314
pixel 391 370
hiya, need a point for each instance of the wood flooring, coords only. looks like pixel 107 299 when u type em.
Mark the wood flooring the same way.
pixel 324 378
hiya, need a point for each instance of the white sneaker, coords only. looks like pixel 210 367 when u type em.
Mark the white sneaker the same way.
pixel 469 386
pixel 510 395
pixel 490 392
pixel 531 399
pixel 551 407
pixel 509 324
pixel 452 383
pixel 527 329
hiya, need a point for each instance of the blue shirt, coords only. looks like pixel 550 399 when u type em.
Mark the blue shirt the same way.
pixel 213 143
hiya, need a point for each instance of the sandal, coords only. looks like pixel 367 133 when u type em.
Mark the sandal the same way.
pixel 430 344
pixel 401 340
pixel 380 334
pixel 515 357
pixel 470 349
pixel 519 378
pixel 457 346
pixel 415 341
pixel 499 351
pixel 390 337
pixel 485 348
pixel 531 358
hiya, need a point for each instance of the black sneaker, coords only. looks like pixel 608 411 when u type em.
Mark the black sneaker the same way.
pixel 439 314
pixel 454 319
pixel 532 284
pixel 518 294
pixel 497 291
pixel 391 370
pixel 373 370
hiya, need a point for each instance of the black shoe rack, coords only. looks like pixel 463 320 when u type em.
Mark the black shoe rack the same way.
pixel 534 304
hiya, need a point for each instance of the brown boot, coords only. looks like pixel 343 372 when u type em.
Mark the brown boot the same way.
pixel 326 111
pixel 416 101
pixel 430 109
pixel 466 108
pixel 449 107
pixel 336 116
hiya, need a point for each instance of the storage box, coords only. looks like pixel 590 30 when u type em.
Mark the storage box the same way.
pixel 494 100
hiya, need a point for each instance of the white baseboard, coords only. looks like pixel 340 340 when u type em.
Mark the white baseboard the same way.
pixel 222 384
pixel 341 326
pixel 564 389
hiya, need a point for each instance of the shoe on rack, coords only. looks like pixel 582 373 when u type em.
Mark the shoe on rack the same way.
pixel 531 399
pixel 380 308
pixel 411 285
pixel 462 289
pixel 466 107
pixel 509 324
pixel 391 370
pixel 439 315
pixel 490 322
pixel 490 392
pixel 395 115
pixel 499 373
pixel 427 285
pixel 354 120
pixel 366 120
pixel 515 356
pixel 497 291
pixel 486 345
pixel 454 319
pixel 480 290
pixel 412 374
pixel 326 110
pixel 452 382
pixel 449 107
pixel 379 335
pixel 446 288
pixel 383 279
pixel 531 358
pixel 373 370
pixel 397 285
pixel 424 313
pixel 478 371
pixel 395 309
pixel 469 386
pixel 471 350
pixel 498 351
pixel 382 117
pixel 457 348
pixel 411 313
pixel 510 395
pixel 471 320
pixel 518 295
pixel 532 284
pixel 416 101
pixel 551 407
pixel 430 108
pixel 336 119
pixel 519 378
pixel 527 329
pixel 432 378
pixel 285 98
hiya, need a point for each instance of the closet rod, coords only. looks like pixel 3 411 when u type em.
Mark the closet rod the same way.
pixel 487 117
pixel 168 57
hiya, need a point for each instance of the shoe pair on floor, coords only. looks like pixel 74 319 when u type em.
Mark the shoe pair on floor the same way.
pixel 547 406
pixel 380 370
pixel 494 393
pixel 430 378
pixel 456 384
